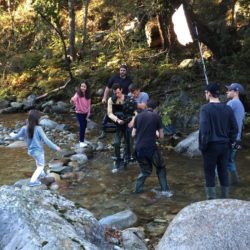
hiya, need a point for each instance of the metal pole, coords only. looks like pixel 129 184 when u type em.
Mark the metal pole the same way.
pixel 202 60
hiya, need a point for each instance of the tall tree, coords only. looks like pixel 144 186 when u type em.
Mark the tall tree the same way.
pixel 71 9
pixel 49 10
pixel 85 20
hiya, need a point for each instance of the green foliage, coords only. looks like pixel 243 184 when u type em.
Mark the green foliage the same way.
pixel 247 121
pixel 166 113
pixel 26 61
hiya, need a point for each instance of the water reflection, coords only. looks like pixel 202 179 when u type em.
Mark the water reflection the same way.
pixel 104 193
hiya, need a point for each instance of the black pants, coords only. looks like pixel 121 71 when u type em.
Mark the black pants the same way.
pixel 122 131
pixel 146 166
pixel 82 119
pixel 216 156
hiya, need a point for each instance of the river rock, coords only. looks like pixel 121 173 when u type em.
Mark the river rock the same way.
pixel 190 145
pixel 29 102
pixel 209 225
pixel 133 238
pixel 17 144
pixel 121 220
pixel 4 104
pixel 48 124
pixel 80 158
pixel 42 220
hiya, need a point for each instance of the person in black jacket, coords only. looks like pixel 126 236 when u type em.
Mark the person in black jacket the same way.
pixel 217 132
pixel 147 126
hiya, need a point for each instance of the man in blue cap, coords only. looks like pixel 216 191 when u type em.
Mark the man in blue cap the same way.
pixel 234 90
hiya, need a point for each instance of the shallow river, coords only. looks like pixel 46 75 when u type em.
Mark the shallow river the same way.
pixel 104 193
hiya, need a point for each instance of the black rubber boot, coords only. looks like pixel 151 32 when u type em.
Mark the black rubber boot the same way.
pixel 139 183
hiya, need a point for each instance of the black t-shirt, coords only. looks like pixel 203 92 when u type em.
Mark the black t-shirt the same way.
pixel 124 83
pixel 146 125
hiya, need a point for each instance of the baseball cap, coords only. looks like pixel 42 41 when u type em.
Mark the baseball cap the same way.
pixel 235 87
pixel 213 88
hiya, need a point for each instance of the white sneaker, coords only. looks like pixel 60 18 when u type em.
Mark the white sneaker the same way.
pixel 167 194
pixel 83 144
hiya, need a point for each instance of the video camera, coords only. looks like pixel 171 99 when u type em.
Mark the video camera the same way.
pixel 126 110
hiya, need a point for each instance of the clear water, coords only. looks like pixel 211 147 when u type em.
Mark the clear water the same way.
pixel 104 193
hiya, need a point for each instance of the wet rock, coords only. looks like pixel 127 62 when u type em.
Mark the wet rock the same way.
pixel 61 170
pixel 120 220
pixel 4 104
pixel 54 186
pixel 189 146
pixel 55 164
pixel 16 105
pixel 47 123
pixel 133 238
pixel 24 184
pixel 215 224
pixel 8 110
pixel 91 124
pixel 48 180
pixel 80 158
pixel 17 144
pixel 69 176
pixel 42 220
pixel 60 107
pixel 56 177
pixel 100 146
pixel 29 102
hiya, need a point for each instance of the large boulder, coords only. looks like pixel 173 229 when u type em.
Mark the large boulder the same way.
pixel 190 145
pixel 209 225
pixel 38 219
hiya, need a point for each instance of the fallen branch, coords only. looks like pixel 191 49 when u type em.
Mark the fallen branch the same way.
pixel 53 91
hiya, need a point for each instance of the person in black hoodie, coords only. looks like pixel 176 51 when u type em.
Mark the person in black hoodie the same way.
pixel 217 132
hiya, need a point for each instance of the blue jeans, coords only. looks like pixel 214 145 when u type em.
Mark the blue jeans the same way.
pixel 216 155
pixel 82 119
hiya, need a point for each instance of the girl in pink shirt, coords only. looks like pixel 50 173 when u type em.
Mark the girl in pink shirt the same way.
pixel 82 102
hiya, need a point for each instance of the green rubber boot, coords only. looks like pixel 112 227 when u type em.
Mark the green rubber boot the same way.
pixel 210 193
pixel 224 192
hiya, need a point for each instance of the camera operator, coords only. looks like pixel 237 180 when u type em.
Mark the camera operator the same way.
pixel 120 110
pixel 124 81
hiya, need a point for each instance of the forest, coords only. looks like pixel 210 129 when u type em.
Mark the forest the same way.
pixel 53 44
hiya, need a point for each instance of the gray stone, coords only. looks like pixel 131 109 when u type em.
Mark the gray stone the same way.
pixel 133 238
pixel 48 124
pixel 39 219
pixel 121 220
pixel 61 170
pixel 209 225
pixel 17 144
pixel 189 146
pixel 80 158
pixel 4 104
pixel 16 105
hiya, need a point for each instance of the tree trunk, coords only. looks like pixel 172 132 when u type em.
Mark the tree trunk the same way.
pixel 85 19
pixel 72 51
pixel 58 30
